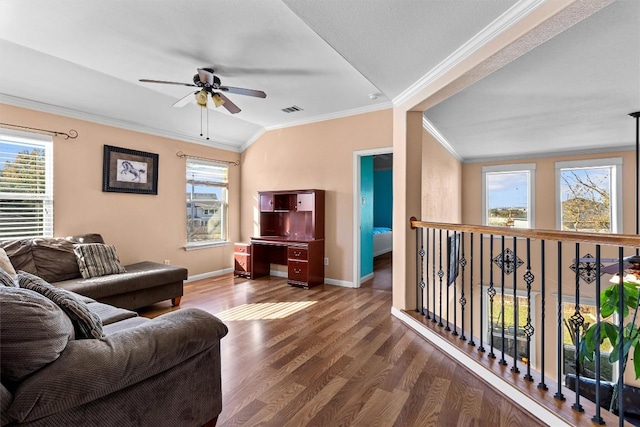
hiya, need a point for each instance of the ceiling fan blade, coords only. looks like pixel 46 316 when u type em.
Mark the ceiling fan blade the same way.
pixel 243 91
pixel 184 101
pixel 166 82
pixel 615 268
pixel 205 76
pixel 230 106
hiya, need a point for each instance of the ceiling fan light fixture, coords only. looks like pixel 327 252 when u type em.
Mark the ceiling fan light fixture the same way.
pixel 201 98
pixel 217 100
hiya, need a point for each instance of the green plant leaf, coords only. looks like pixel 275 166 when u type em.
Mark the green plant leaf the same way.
pixel 636 360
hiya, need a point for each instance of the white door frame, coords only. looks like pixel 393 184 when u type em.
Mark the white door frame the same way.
pixel 356 206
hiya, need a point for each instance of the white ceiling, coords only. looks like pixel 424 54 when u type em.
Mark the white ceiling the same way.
pixel 84 58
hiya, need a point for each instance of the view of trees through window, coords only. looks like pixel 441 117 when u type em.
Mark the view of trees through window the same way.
pixel 206 201
pixel 25 202
pixel 586 199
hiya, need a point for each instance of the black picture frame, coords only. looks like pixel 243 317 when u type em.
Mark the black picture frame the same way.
pixel 129 171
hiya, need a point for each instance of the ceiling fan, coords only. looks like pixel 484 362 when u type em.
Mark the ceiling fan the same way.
pixel 210 85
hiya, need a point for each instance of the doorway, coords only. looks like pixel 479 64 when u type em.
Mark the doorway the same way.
pixel 372 206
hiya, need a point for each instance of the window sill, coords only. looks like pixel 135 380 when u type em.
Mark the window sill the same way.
pixel 205 245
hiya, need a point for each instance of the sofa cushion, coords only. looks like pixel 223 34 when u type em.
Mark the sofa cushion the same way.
pixel 5 263
pixel 96 259
pixel 33 332
pixel 86 323
pixel 142 275
pixel 7 280
pixel 109 314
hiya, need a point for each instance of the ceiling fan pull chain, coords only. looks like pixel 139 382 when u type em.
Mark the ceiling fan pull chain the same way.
pixel 201 121
pixel 207 124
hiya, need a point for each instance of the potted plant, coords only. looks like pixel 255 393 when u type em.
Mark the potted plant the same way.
pixel 610 305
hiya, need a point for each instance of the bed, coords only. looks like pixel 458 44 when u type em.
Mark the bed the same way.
pixel 382 240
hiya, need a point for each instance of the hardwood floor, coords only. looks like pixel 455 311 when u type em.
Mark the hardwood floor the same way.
pixel 334 356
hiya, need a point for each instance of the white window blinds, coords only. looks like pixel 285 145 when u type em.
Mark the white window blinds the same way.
pixel 26 186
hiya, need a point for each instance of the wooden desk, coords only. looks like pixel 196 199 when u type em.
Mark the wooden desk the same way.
pixel 304 259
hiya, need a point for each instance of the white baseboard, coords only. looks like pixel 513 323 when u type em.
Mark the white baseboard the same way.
pixel 328 281
pixel 367 277
pixel 511 392
pixel 209 274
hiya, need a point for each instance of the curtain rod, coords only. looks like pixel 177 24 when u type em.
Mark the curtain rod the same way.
pixel 73 134
pixel 182 155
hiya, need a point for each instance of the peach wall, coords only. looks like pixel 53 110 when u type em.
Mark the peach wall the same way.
pixel 320 156
pixel 142 227
pixel 441 197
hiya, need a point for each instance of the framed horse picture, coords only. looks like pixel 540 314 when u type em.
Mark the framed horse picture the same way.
pixel 129 171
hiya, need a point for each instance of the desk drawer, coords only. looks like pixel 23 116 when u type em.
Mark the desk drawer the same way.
pixel 298 271
pixel 298 253
pixel 242 248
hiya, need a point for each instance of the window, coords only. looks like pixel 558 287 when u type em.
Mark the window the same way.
pixel 608 371
pixel 588 191
pixel 494 324
pixel 508 195
pixel 26 185
pixel 207 184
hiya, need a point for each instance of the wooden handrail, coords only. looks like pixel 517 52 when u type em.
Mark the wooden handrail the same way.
pixel 632 240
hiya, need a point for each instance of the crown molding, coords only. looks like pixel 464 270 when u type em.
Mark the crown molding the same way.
pixel 576 152
pixel 429 127
pixel 509 18
pixel 253 139
pixel 108 121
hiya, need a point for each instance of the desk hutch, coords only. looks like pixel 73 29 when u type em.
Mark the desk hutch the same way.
pixel 291 234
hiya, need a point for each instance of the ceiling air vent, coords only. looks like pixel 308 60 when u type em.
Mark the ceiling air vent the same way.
pixel 292 109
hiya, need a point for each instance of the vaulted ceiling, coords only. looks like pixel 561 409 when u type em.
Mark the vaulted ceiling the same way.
pixel 330 58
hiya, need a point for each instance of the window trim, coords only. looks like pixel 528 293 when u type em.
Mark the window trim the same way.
pixel 46 142
pixel 225 211
pixel 616 185
pixel 517 167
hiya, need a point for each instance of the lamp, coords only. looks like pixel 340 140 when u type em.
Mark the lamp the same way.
pixel 217 99
pixel 201 98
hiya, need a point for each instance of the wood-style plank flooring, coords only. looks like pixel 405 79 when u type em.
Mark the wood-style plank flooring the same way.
pixel 334 356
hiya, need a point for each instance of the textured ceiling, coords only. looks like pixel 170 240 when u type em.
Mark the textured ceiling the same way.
pixel 572 93
pixel 84 59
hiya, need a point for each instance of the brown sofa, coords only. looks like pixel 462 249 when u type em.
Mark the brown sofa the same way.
pixel 141 372
pixel 53 259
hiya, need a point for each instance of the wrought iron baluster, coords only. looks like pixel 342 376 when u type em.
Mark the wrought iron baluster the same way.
pixel 481 263
pixel 463 300
pixel 542 385
pixel 597 418
pixel 577 320
pixel 559 394
pixel 502 361
pixel 492 293
pixel 433 277
pixel 419 302
pixel 621 360
pixel 471 260
pixel 528 327
pixel 516 307
pixel 428 316
pixel 440 273
pixel 447 328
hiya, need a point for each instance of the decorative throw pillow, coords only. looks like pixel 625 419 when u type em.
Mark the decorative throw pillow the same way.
pixel 86 323
pixel 5 263
pixel 7 280
pixel 33 333
pixel 97 259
